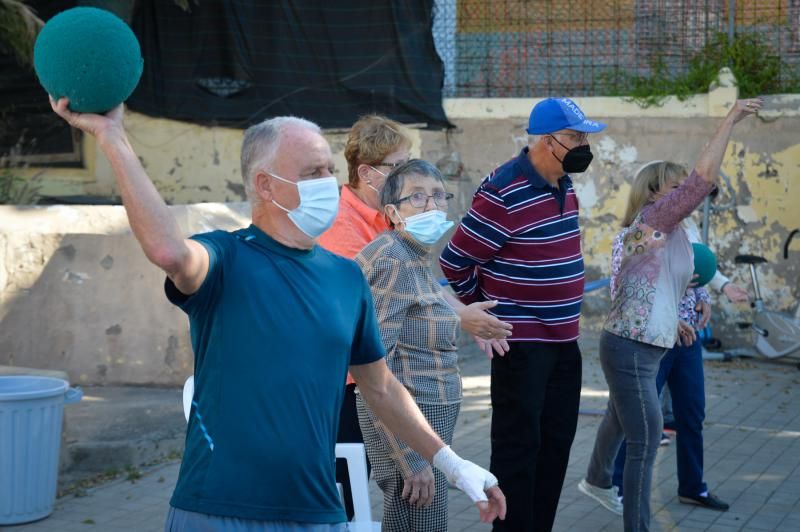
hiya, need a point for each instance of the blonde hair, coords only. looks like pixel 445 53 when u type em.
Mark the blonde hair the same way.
pixel 372 138
pixel 648 180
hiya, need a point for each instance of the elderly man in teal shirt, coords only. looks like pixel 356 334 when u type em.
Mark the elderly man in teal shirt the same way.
pixel 275 323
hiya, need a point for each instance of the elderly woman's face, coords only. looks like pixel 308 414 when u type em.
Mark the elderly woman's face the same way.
pixel 419 194
pixel 373 176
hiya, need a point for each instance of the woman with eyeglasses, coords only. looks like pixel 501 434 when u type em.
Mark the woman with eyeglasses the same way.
pixel 374 146
pixel 419 330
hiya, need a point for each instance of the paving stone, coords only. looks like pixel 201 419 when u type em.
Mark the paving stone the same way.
pixel 752 457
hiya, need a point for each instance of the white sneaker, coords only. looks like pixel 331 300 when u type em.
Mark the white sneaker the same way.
pixel 607 497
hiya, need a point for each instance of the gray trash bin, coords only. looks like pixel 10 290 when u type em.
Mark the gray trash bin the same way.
pixel 31 413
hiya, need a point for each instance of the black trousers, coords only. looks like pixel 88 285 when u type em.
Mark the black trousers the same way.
pixel 349 432
pixel 536 390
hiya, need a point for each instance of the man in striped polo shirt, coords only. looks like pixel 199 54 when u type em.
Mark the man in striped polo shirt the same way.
pixel 520 245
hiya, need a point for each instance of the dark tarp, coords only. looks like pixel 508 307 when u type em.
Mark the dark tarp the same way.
pixel 238 62
pixel 28 126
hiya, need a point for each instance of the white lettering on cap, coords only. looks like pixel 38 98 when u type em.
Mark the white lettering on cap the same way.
pixel 574 108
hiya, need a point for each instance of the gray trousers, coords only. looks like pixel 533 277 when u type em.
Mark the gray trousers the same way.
pixel 634 413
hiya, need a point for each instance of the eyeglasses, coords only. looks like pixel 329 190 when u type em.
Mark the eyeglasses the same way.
pixel 420 199
pixel 391 165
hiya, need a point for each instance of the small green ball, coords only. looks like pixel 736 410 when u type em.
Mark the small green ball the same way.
pixel 705 263
pixel 90 56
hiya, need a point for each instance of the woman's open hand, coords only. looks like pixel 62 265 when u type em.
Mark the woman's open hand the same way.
pixel 744 108
pixel 419 489
pixel 476 321
pixel 686 334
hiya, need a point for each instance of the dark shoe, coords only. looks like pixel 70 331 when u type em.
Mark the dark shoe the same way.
pixel 710 501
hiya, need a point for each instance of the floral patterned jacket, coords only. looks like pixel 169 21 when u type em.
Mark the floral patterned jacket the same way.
pixel 687 307
pixel 655 267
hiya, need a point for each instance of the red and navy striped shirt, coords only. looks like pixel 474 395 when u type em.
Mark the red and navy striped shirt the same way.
pixel 520 244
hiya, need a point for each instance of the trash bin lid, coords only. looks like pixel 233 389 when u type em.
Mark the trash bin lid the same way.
pixel 24 388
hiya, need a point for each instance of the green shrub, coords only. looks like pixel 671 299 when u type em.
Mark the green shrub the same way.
pixel 17 190
pixel 756 66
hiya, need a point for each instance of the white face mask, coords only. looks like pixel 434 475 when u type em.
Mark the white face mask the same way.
pixel 319 203
pixel 369 183
pixel 427 227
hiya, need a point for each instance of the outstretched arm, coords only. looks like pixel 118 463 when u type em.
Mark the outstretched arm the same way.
pixel 669 210
pixel 184 261
pixel 710 160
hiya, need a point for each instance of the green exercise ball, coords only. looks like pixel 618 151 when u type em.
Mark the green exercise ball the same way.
pixel 705 263
pixel 90 56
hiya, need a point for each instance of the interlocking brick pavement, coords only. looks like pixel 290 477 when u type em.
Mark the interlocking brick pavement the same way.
pixel 752 460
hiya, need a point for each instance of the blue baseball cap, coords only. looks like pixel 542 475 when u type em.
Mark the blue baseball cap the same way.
pixel 553 114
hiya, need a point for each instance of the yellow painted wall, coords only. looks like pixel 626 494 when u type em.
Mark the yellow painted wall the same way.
pixel 188 163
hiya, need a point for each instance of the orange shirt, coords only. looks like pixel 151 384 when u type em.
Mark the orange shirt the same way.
pixel 356 225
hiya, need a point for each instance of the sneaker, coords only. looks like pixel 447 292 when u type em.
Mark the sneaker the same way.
pixel 709 501
pixel 665 439
pixel 606 496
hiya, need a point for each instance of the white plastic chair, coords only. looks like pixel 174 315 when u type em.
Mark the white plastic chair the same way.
pixel 356 467
pixel 359 486
pixel 188 395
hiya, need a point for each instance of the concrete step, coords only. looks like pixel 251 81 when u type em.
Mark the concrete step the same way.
pixel 118 428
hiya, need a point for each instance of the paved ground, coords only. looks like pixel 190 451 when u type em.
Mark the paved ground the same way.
pixel 752 458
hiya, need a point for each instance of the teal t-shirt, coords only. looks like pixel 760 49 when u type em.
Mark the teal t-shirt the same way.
pixel 273 331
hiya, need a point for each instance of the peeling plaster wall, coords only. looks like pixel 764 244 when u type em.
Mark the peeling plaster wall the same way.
pixel 762 161
pixel 188 163
pixel 77 294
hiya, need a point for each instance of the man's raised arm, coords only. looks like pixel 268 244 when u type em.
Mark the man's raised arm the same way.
pixel 184 261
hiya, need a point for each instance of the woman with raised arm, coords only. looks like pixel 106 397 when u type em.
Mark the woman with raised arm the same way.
pixel 642 324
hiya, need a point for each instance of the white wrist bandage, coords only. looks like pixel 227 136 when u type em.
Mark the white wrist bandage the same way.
pixel 465 475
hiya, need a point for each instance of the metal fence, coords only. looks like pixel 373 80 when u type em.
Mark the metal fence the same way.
pixel 523 48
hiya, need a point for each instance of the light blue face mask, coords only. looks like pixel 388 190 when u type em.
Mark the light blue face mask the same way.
pixel 319 203
pixel 369 183
pixel 428 227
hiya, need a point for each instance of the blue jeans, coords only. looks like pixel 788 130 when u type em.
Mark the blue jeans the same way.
pixel 634 412
pixel 682 370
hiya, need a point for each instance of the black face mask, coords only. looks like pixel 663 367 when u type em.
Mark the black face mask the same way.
pixel 576 160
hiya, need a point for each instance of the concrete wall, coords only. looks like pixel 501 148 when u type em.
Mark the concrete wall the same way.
pixel 763 163
pixel 77 294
